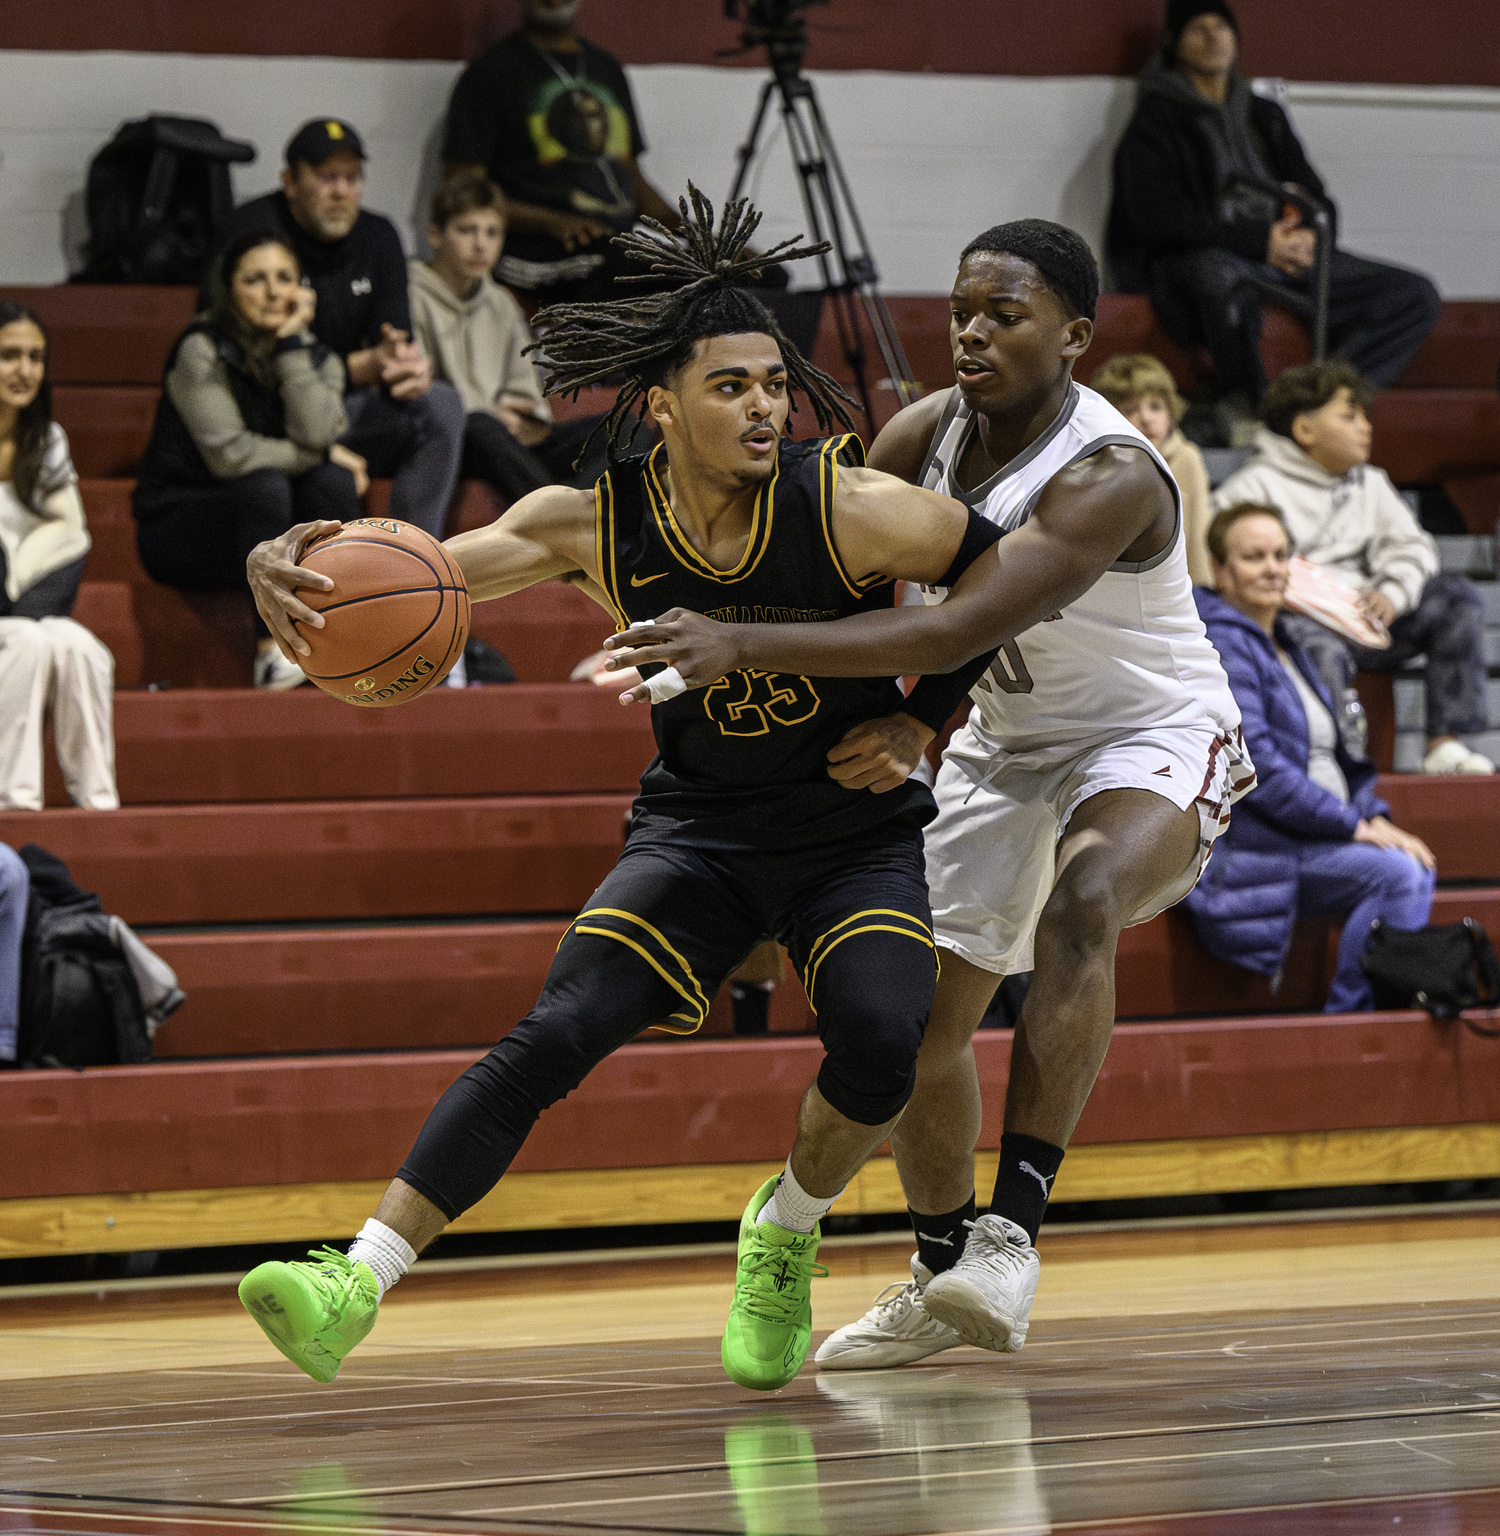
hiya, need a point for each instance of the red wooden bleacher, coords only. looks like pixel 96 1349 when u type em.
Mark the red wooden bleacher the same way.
pixel 299 1120
pixel 359 903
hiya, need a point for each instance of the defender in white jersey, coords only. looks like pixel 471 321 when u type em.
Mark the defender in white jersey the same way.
pixel 1084 793
pixel 1122 689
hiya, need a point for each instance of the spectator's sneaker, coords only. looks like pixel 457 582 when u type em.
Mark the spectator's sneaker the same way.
pixel 314 1311
pixel 274 671
pixel 895 1331
pixel 1454 757
pixel 986 1297
pixel 770 1320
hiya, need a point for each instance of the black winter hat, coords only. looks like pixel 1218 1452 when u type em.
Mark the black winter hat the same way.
pixel 1181 12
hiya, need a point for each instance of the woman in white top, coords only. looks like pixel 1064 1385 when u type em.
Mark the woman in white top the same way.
pixel 48 664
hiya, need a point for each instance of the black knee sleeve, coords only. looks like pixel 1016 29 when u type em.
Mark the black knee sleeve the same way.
pixel 871 1016
pixel 598 996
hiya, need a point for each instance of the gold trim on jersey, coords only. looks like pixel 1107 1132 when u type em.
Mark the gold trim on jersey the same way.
pixel 826 943
pixel 828 484
pixel 677 542
pixel 608 578
pixel 673 969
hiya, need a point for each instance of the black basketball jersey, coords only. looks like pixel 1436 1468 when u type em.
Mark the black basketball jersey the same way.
pixel 753 746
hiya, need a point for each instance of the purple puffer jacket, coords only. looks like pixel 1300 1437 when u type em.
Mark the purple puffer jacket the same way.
pixel 1245 906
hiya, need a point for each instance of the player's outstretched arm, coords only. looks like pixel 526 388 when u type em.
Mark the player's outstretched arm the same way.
pixel 548 533
pixel 1086 519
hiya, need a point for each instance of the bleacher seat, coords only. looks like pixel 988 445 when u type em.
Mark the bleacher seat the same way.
pixel 358 903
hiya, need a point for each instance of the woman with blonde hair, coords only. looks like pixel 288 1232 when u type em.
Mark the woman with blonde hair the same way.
pixel 48 664
pixel 1142 390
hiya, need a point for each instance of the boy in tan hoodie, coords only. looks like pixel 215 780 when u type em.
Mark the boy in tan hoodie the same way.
pixel 1312 465
pixel 475 332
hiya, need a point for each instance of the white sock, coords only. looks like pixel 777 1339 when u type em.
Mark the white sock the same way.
pixel 386 1252
pixel 791 1206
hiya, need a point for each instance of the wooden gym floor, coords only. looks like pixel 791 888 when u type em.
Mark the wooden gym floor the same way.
pixel 1324 1375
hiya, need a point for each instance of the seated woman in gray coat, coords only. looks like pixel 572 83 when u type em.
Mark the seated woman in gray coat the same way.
pixel 245 440
pixel 1313 838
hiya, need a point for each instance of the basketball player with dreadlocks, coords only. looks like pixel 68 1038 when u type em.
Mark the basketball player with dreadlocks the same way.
pixel 738 833
pixel 1084 793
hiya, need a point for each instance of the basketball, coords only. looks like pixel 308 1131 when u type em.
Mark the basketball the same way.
pixel 396 618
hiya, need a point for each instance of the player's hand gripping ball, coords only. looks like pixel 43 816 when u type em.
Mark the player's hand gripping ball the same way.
pixel 396 619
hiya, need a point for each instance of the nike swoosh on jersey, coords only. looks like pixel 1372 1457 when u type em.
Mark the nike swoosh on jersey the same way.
pixel 641 581
pixel 1167 770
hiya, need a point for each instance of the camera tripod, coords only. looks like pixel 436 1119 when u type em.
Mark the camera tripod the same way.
pixel 850 281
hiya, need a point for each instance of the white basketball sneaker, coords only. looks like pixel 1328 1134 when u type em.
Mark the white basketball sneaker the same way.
pixel 895 1331
pixel 986 1297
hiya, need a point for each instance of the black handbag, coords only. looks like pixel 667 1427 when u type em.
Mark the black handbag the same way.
pixel 1443 970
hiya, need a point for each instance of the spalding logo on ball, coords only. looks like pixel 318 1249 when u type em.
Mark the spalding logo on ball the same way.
pixel 397 617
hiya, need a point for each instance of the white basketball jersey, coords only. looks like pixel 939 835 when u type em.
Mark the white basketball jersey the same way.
pixel 1131 653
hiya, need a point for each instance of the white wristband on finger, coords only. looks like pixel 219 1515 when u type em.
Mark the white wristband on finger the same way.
pixel 666 685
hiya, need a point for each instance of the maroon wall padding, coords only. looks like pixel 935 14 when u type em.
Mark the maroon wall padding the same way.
pixel 1162 971
pixel 202 747
pixel 545 631
pixel 108 425
pixel 320 860
pixel 1462 351
pixel 206 1125
pixel 412 987
pixel 205 640
pixel 437 986
pixel 1370 40
pixel 1377 692
pixel 107 608
pixel 108 333
pixel 1424 435
pixel 1457 816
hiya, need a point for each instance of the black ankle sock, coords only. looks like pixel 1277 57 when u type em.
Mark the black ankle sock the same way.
pixel 751 1003
pixel 941 1239
pixel 1024 1180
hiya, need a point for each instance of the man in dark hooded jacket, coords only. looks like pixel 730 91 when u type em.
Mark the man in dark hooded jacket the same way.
pixel 1199 222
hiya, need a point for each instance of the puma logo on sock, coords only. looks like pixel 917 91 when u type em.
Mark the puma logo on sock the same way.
pixel 1027 1168
pixel 927 1237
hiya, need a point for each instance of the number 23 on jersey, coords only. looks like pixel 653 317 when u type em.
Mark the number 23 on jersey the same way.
pixel 750 703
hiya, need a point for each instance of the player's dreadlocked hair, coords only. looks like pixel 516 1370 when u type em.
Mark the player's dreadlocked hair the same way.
pixel 647 336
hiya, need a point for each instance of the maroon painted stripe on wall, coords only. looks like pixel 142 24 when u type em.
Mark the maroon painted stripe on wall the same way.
pixel 1455 43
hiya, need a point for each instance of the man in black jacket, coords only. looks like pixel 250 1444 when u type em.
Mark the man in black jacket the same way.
pixel 1200 224
pixel 400 422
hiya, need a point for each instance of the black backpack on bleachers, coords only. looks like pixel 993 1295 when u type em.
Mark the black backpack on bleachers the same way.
pixel 80 1005
pixel 158 197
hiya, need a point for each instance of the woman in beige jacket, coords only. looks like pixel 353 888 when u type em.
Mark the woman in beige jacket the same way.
pixel 1142 390
pixel 48 664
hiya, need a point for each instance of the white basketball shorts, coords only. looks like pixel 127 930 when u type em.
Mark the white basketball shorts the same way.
pixel 991 850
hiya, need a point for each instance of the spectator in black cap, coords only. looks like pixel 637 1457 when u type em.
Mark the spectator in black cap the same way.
pixel 549 118
pixel 1199 221
pixel 400 422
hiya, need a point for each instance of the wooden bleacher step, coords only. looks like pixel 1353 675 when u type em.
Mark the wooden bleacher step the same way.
pixel 214 747
pixel 309 861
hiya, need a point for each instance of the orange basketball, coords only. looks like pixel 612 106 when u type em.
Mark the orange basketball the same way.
pixel 396 619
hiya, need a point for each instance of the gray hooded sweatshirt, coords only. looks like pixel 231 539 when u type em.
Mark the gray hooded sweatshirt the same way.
pixel 1355 523
pixel 475 343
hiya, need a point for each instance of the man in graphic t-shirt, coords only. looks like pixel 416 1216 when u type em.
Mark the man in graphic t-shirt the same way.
pixel 550 118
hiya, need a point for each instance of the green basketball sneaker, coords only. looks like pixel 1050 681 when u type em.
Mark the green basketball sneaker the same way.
pixel 314 1311
pixel 770 1319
